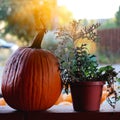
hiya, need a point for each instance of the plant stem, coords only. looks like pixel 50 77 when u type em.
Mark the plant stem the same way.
pixel 38 39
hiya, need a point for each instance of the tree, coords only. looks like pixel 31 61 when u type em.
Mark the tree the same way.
pixel 108 24
pixel 117 16
pixel 24 17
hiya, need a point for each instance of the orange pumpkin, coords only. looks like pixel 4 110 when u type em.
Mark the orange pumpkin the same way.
pixel 65 103
pixel 104 94
pixel 67 97
pixel 64 98
pixel 2 102
pixel 31 78
pixel 59 100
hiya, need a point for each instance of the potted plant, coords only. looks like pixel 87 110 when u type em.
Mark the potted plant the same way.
pixel 80 71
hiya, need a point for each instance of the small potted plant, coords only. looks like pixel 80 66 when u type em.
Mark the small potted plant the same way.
pixel 80 71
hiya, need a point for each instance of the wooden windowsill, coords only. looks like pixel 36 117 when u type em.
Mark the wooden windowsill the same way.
pixel 60 112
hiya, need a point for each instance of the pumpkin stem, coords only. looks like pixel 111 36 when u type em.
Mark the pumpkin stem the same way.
pixel 38 39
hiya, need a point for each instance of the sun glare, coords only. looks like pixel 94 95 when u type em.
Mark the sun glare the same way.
pixel 91 9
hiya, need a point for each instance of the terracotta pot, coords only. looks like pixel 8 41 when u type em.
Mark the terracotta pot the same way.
pixel 86 96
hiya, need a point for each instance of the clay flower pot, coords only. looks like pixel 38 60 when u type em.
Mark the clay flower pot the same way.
pixel 86 96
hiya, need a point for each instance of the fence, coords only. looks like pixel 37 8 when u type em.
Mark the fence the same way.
pixel 110 40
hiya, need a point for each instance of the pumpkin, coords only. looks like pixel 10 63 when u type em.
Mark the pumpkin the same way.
pixel 60 99
pixel 91 45
pixel 104 94
pixel 67 97
pixel 66 103
pixel 31 78
pixel 2 102
pixel 64 98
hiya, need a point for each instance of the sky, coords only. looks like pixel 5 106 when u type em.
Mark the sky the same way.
pixel 91 9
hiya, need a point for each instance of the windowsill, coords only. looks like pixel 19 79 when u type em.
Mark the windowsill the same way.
pixel 60 112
